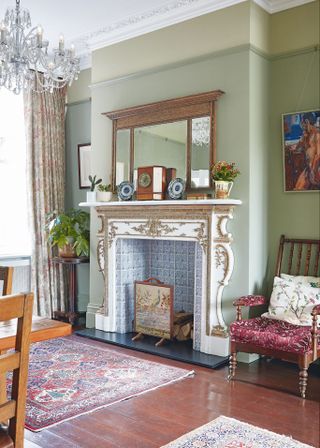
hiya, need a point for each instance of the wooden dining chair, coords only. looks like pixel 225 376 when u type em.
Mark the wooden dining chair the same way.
pixel 6 274
pixel 15 307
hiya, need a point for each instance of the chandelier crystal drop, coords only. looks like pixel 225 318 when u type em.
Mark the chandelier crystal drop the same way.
pixel 25 63
pixel 201 131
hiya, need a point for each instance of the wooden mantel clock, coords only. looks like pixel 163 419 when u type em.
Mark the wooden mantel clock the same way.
pixel 151 183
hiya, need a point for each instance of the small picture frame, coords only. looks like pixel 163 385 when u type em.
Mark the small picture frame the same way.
pixel 301 146
pixel 84 164
pixel 153 313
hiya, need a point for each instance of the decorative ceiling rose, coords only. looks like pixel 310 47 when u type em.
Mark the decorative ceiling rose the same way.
pixel 25 63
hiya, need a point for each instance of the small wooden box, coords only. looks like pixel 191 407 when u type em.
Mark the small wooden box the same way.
pixel 151 183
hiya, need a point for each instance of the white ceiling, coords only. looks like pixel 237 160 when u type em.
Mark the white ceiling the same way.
pixel 92 24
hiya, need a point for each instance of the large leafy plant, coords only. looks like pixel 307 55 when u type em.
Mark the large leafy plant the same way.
pixel 69 227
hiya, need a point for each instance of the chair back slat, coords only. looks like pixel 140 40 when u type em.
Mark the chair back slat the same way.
pixel 11 307
pixel 290 258
pixel 308 256
pixel 7 410
pixel 297 256
pixel 299 259
pixel 6 275
pixel 9 361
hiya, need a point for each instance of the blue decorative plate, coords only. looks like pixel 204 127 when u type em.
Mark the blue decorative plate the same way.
pixel 125 191
pixel 176 188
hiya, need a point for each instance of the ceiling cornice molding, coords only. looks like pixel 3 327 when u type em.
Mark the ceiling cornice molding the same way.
pixel 173 12
pixel 274 6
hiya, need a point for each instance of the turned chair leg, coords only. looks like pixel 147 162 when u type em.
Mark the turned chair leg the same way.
pixel 232 365
pixel 303 380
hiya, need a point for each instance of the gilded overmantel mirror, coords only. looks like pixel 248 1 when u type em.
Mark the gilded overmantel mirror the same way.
pixel 179 133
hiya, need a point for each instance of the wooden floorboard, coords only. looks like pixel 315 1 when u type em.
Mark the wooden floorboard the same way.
pixel 264 394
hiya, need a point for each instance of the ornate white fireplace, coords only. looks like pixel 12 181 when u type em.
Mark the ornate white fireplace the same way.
pixel 203 222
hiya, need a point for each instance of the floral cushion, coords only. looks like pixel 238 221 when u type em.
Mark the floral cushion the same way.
pixel 292 302
pixel 304 279
pixel 272 334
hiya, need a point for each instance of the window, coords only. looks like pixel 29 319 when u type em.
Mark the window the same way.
pixel 14 231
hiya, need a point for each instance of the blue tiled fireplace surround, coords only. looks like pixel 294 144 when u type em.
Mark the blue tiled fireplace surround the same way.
pixel 178 263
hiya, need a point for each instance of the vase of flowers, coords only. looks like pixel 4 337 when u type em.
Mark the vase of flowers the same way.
pixel 223 174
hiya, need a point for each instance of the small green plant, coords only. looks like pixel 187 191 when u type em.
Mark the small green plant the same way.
pixel 69 227
pixel 105 187
pixel 94 182
pixel 224 171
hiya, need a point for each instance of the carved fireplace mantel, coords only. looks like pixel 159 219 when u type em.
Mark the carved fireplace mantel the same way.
pixel 200 221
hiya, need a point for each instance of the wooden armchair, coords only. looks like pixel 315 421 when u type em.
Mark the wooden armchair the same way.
pixel 15 307
pixel 277 338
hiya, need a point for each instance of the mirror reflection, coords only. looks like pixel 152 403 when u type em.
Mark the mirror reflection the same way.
pixel 200 152
pixel 164 145
pixel 123 156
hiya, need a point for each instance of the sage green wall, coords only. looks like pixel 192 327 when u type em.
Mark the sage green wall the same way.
pixel 294 87
pixel 229 72
pixel 78 130
pixel 258 176
pixel 295 29
pixel 226 28
pixel 79 90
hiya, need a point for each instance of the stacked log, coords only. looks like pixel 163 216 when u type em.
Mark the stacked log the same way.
pixel 183 326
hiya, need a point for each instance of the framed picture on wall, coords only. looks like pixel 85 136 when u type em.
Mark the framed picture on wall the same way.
pixel 301 151
pixel 84 164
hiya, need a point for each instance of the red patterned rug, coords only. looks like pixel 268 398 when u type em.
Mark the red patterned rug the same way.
pixel 68 377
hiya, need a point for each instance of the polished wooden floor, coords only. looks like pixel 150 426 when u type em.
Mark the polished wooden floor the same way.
pixel 264 394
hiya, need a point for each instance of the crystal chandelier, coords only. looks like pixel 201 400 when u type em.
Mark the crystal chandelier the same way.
pixel 25 63
pixel 201 131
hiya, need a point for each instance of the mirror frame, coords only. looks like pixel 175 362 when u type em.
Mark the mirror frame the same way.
pixel 167 111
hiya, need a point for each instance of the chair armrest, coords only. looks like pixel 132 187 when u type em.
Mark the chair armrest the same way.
pixel 247 301
pixel 316 311
pixel 250 301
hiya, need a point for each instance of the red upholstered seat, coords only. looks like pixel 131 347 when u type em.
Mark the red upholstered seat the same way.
pixel 272 334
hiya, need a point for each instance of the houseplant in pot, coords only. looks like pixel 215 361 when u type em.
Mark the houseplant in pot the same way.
pixel 69 232
pixel 104 193
pixel 91 195
pixel 223 174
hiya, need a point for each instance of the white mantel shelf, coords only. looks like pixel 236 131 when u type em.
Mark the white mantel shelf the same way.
pixel 174 203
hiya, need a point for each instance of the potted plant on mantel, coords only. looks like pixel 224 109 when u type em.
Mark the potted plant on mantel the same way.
pixel 69 232
pixel 104 193
pixel 223 174
pixel 91 195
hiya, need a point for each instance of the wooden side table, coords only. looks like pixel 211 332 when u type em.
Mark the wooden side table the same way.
pixel 71 263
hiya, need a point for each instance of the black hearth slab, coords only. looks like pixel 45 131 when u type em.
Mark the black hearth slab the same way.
pixel 180 351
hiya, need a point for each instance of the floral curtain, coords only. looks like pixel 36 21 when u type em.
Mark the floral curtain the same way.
pixel 45 134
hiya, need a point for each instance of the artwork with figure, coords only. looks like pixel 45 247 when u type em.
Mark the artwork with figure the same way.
pixel 301 145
